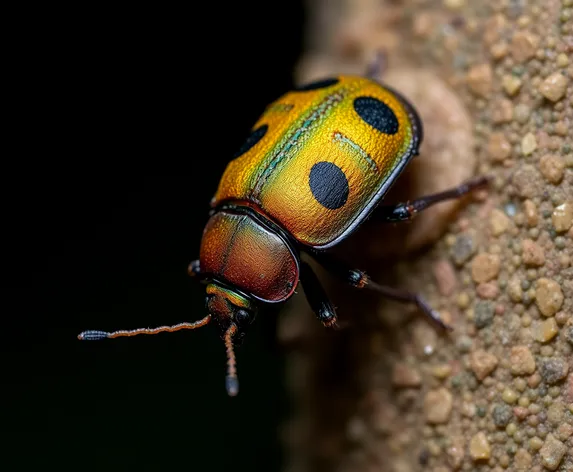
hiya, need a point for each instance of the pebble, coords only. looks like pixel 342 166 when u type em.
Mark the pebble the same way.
pixel 482 363
pixel 511 84
pixel 532 254
pixel 442 371
pixel 425 338
pixel 521 412
pixel 454 4
pixel 445 276
pixel 498 147
pixel 552 168
pixel 485 267
pixel 463 300
pixel 523 46
pixel 483 314
pixel 463 248
pixel 498 222
pixel 503 113
pixel 552 452
pixel 548 296
pixel 555 413
pixel 562 60
pixel 569 335
pixel 522 460
pixel 544 331
pixel 405 376
pixel 534 380
pixel 521 113
pixel 479 79
pixel 528 144
pixel 479 447
pixel 553 369
pixel 438 406
pixel 564 431
pixel 521 360
pixel 487 290
pixel 499 50
pixel 509 396
pixel 553 87
pixel 494 27
pixel 464 343
pixel 530 211
pixel 455 453
pixel 526 180
pixel 514 289
pixel 502 415
pixel 562 217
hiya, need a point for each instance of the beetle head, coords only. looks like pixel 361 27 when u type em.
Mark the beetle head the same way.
pixel 229 308
pixel 233 313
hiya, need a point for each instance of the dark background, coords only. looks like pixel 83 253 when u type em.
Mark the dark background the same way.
pixel 124 123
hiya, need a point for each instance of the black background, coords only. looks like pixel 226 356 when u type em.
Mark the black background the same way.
pixel 124 122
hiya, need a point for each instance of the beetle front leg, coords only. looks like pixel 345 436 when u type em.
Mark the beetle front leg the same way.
pixel 317 297
pixel 359 279
pixel 194 270
pixel 406 211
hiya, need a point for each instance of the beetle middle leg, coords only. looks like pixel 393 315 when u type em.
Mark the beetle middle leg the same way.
pixel 359 279
pixel 317 297
pixel 407 210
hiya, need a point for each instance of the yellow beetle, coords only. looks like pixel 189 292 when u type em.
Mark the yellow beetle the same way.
pixel 318 161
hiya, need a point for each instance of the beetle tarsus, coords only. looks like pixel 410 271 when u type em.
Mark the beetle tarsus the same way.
pixel 406 296
pixel 407 210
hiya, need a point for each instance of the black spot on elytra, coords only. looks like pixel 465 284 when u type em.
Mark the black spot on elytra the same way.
pixel 317 84
pixel 328 184
pixel 377 114
pixel 255 136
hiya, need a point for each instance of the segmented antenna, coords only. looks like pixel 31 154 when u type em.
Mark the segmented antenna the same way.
pixel 97 335
pixel 231 381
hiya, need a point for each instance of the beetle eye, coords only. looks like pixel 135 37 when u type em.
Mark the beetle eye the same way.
pixel 243 317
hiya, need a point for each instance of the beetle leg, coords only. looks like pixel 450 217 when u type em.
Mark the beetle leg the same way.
pixel 354 277
pixel 317 297
pixel 194 269
pixel 407 210
pixel 359 279
pixel 378 66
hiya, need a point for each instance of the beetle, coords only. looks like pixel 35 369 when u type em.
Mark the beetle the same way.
pixel 315 166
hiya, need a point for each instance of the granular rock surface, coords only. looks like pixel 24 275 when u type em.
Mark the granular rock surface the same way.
pixel 390 392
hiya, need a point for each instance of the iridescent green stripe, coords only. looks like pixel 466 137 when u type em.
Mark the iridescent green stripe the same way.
pixel 301 130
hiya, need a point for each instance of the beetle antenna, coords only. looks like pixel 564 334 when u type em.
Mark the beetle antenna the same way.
pixel 231 381
pixel 97 335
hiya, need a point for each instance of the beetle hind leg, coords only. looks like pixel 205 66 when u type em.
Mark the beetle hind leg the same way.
pixel 402 295
pixel 359 279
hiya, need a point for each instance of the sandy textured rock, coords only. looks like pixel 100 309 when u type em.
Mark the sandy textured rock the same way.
pixel 492 82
